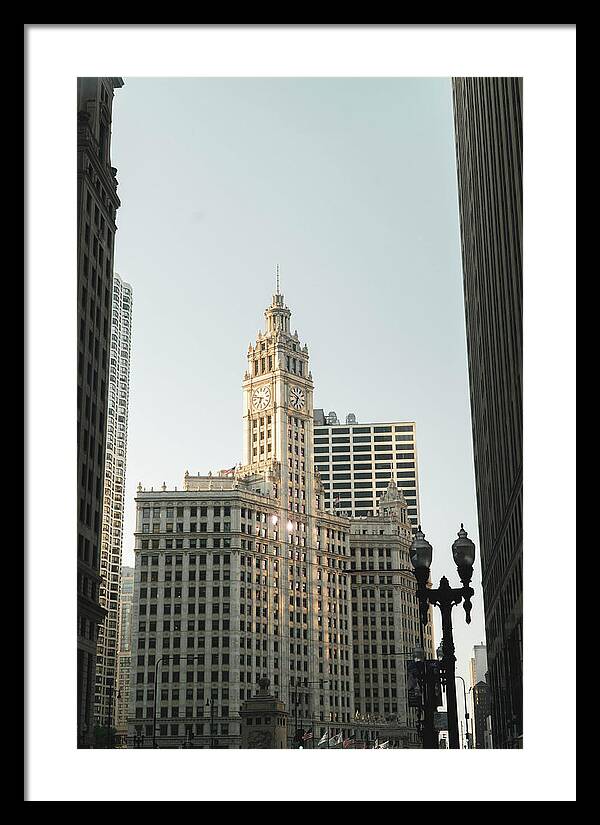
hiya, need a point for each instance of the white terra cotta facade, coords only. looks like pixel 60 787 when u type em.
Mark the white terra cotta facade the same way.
pixel 244 575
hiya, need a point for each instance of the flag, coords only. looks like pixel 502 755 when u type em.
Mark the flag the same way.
pixel 385 744
pixel 322 740
pixel 348 742
pixel 308 735
pixel 376 744
pixel 335 740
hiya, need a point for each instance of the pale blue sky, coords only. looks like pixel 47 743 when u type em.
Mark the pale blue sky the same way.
pixel 350 185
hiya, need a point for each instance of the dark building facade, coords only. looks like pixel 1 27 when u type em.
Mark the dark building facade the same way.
pixel 481 705
pixel 97 205
pixel 489 151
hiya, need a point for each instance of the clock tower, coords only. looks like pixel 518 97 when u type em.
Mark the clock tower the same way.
pixel 278 418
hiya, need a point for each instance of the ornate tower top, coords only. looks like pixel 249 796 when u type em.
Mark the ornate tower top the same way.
pixel 277 316
pixel 392 503
pixel 278 389
pixel 393 495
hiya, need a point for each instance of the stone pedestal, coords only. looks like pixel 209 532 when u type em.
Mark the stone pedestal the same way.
pixel 264 720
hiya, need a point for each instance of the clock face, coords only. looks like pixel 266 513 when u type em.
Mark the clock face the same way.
pixel 261 398
pixel 297 398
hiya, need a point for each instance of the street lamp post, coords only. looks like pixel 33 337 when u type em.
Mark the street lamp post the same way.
pixel 445 597
pixel 306 685
pixel 295 695
pixel 110 700
pixel 466 711
pixel 110 706
pixel 210 704
pixel 296 728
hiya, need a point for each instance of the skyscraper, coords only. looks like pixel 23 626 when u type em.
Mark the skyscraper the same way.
pixel 479 665
pixel 97 205
pixel 489 149
pixel 246 575
pixel 480 698
pixel 113 507
pixel 357 461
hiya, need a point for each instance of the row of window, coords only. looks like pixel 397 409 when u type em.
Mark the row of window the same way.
pixel 358 470
pixel 377 428
pixel 357 448
pixel 192 574
pixel 192 511
pixel 322 463
pixel 362 500
pixel 176 592
pixel 368 485
pixel 365 441
pixel 182 544
pixel 192 527
pixel 192 559
pixel 343 476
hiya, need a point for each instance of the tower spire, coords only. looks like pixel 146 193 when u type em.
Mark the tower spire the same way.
pixel 277 279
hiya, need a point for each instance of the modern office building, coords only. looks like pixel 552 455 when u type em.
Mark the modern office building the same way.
pixel 356 462
pixel 246 575
pixel 489 155
pixel 124 652
pixel 111 546
pixel 97 205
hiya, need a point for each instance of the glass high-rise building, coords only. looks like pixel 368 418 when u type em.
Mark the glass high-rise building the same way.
pixel 113 506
